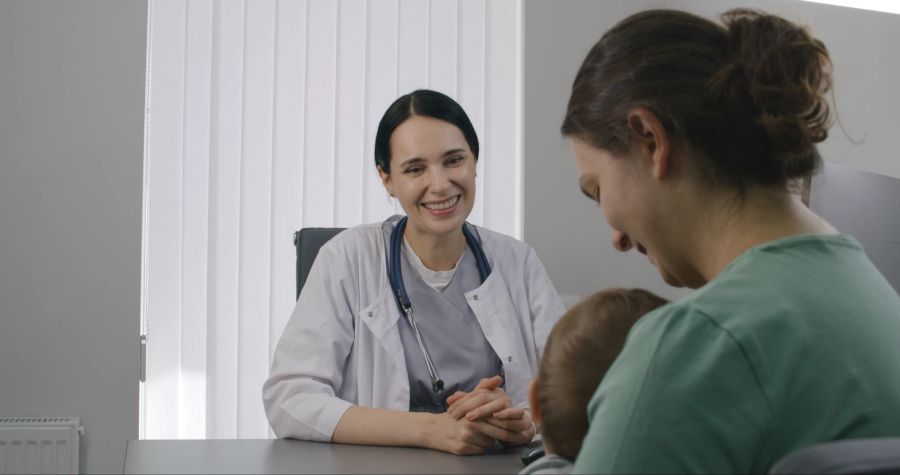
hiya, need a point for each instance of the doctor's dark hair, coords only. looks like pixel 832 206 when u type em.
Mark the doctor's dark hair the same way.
pixel 426 103
pixel 747 95
pixel 582 346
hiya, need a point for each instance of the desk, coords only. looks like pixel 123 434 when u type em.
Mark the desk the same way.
pixel 295 456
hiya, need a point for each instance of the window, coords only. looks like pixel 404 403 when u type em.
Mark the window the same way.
pixel 261 118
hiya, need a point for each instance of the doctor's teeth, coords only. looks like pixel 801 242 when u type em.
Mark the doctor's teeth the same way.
pixel 442 204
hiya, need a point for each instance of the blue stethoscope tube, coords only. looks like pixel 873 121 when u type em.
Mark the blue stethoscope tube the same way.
pixel 395 277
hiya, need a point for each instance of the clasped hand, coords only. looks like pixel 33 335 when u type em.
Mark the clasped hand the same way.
pixel 485 415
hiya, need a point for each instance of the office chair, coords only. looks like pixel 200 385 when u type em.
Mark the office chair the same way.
pixel 308 241
pixel 864 205
pixel 852 456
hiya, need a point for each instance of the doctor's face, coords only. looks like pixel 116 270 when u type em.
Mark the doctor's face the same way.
pixel 432 175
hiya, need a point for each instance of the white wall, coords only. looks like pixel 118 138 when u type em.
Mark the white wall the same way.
pixel 569 232
pixel 71 145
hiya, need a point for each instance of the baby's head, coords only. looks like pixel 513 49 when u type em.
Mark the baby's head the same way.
pixel 580 349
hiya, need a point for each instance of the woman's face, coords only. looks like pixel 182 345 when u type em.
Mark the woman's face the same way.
pixel 432 175
pixel 622 187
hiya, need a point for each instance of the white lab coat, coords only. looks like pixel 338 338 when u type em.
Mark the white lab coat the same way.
pixel 342 346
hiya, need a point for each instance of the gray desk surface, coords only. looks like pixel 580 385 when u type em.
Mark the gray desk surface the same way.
pixel 295 456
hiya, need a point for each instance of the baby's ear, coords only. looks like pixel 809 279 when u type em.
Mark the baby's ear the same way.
pixel 534 401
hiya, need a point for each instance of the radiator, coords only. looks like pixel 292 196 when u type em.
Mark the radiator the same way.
pixel 39 444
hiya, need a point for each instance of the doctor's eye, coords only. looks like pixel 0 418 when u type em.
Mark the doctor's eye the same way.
pixel 455 160
pixel 413 169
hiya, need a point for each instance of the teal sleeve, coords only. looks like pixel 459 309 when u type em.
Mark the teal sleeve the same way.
pixel 681 398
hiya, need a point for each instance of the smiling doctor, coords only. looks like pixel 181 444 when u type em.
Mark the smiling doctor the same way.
pixel 422 330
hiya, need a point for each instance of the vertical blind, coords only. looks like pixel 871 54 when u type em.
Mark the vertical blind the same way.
pixel 261 118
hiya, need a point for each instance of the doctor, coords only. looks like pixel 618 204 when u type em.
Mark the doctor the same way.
pixel 422 330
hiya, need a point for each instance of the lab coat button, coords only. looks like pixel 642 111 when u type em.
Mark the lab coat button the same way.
pixel 509 358
pixel 370 314
pixel 475 297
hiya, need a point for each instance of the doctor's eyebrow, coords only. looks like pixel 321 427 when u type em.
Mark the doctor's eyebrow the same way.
pixel 412 160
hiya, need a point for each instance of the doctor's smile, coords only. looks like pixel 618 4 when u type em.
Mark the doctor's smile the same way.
pixel 442 208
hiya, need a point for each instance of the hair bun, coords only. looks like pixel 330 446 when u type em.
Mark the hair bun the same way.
pixel 780 73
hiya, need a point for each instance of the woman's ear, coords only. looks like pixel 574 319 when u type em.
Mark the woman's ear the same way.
pixel 385 180
pixel 534 401
pixel 653 140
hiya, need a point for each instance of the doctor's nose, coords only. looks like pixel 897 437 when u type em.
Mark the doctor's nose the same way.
pixel 621 241
pixel 438 181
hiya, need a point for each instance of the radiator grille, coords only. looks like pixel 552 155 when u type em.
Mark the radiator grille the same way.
pixel 39 444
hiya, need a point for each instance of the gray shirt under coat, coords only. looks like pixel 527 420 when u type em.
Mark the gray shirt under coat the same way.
pixel 459 350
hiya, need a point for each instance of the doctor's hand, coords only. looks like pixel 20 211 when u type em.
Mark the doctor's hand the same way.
pixel 489 403
pixel 487 390
pixel 460 436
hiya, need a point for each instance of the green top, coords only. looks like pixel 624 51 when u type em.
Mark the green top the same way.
pixel 796 342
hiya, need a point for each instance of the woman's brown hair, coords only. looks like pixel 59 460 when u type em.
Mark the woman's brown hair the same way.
pixel 748 95
pixel 580 349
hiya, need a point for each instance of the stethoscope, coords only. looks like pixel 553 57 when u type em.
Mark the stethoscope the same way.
pixel 395 277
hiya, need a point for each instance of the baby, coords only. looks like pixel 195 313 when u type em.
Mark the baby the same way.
pixel 580 349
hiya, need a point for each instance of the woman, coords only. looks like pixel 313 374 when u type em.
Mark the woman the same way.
pixel 422 330
pixel 690 135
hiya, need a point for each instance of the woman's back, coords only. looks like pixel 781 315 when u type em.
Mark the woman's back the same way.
pixel 794 343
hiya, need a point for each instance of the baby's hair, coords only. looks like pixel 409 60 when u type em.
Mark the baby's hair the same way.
pixel 580 349
pixel 747 94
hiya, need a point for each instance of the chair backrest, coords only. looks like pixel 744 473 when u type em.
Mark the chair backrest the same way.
pixel 308 241
pixel 864 205
pixel 852 456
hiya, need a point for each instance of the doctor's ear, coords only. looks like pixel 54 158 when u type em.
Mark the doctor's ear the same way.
pixel 386 180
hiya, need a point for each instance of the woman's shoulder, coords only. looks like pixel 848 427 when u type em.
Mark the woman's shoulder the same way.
pixel 672 340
